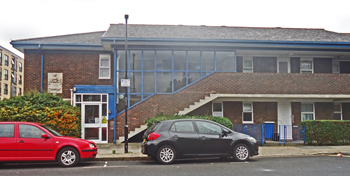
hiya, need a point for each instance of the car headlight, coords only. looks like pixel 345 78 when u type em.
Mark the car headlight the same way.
pixel 251 139
pixel 91 145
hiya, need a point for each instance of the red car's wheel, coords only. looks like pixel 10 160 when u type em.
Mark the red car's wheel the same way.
pixel 68 156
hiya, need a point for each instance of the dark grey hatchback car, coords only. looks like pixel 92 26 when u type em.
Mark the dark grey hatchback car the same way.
pixel 168 140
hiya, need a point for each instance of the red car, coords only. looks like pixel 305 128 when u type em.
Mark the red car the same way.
pixel 25 141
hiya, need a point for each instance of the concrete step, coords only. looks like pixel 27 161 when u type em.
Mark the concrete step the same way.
pixel 132 133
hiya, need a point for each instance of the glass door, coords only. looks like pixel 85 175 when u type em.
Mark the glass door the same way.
pixel 94 116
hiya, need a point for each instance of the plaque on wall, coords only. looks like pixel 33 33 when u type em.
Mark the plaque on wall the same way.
pixel 55 81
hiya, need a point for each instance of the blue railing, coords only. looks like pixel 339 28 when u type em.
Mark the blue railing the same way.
pixel 273 133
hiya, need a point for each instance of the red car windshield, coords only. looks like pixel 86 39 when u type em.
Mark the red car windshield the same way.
pixel 53 132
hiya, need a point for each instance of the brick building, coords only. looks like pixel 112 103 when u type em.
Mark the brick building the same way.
pixel 249 75
pixel 11 74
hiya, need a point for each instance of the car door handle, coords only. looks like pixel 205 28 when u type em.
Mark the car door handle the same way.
pixel 21 141
pixel 203 138
pixel 175 137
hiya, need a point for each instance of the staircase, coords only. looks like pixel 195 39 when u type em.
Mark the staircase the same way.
pixel 132 133
pixel 208 98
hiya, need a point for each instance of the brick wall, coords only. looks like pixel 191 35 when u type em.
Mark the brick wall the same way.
pixel 233 111
pixel 265 64
pixel 346 111
pixel 202 111
pixel 324 110
pixel 77 69
pixel 322 65
pixel 296 111
pixel 264 111
pixel 237 83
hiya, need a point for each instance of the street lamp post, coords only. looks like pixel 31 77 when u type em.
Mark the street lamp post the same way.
pixel 126 88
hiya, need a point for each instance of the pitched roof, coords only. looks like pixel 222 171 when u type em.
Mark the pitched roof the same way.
pixel 224 33
pixel 140 31
pixel 83 38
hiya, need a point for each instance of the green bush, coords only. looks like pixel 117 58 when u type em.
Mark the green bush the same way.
pixel 221 120
pixel 46 109
pixel 327 132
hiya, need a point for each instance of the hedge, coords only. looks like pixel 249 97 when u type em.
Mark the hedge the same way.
pixel 221 120
pixel 46 109
pixel 327 132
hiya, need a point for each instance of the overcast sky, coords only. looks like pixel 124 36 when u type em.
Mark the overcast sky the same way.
pixel 40 18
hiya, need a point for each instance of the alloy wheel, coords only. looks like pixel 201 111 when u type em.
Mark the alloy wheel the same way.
pixel 242 153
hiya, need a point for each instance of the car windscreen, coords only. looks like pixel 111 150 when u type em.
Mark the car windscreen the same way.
pixel 53 132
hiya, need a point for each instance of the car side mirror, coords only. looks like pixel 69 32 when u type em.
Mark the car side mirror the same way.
pixel 224 133
pixel 45 136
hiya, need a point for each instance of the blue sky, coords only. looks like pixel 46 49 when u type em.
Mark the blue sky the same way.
pixel 41 18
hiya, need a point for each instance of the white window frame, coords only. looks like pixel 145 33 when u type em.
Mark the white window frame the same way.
pixel 244 111
pixel 336 63
pixel 307 60
pixel 313 111
pixel 338 112
pixel 104 56
pixel 247 69
pixel 214 113
pixel 283 60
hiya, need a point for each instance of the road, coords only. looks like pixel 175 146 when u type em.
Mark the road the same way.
pixel 306 166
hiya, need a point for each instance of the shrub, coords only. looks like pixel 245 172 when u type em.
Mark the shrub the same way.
pixel 327 132
pixel 221 120
pixel 46 109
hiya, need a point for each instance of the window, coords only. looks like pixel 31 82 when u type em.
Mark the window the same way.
pixel 247 112
pixel 6 60
pixel 6 76
pixel 29 131
pixel 13 62
pixel 105 66
pixel 0 74
pixel 19 79
pixel 6 90
pixel 337 112
pixel 0 58
pixel 306 65
pixel 247 65
pixel 13 77
pixel 19 91
pixel 20 66
pixel 184 126
pixel 206 127
pixel 7 130
pixel 307 111
pixel 335 67
pixel 217 109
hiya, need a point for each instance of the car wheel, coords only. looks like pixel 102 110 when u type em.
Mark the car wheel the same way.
pixel 166 154
pixel 241 152
pixel 68 156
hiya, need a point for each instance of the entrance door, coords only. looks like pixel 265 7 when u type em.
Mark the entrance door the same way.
pixel 283 65
pixel 284 120
pixel 94 124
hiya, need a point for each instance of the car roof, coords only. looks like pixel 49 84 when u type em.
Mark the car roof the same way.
pixel 18 122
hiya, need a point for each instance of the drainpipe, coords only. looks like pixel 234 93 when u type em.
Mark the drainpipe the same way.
pixel 42 71
pixel 115 94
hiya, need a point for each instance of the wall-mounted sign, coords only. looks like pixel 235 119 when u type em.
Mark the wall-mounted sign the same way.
pixel 125 82
pixel 55 81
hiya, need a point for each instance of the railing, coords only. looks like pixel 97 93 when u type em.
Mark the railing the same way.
pixel 273 133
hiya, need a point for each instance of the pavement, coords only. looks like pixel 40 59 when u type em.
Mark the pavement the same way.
pixel 116 151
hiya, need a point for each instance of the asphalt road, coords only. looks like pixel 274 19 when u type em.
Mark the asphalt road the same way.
pixel 306 166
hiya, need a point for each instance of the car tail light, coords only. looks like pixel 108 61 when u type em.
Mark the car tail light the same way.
pixel 153 136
